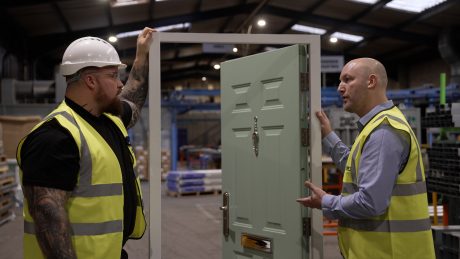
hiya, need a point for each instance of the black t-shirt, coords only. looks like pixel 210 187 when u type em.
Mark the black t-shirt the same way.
pixel 50 157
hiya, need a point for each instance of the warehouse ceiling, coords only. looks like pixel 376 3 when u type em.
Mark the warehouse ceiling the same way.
pixel 39 31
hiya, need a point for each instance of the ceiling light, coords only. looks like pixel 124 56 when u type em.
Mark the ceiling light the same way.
pixel 413 6
pixel 113 39
pixel 216 66
pixel 210 87
pixel 365 1
pixel 261 23
pixel 235 49
pixel 203 78
pixel 118 3
pixel 184 25
pixel 308 29
pixel 268 48
pixel 128 34
pixel 347 37
pixel 163 28
pixel 333 39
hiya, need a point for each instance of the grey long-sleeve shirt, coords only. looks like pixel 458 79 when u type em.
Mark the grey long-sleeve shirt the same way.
pixel 383 157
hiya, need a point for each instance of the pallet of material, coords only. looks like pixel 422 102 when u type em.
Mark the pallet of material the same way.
pixel 6 212
pixel 193 182
pixel 7 181
pixel 6 174
pixel 180 194
pixel 4 168
pixel 194 174
pixel 6 199
pixel 9 187
pixel 182 183
pixel 6 216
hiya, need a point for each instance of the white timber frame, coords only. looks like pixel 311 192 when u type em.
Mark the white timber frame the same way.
pixel 314 67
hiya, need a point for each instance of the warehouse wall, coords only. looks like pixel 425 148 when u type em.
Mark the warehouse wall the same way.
pixel 140 132
pixel 427 73
pixel 203 128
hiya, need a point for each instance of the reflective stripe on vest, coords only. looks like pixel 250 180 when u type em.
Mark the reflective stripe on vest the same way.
pixel 86 189
pixel 418 169
pixel 404 229
pixel 398 190
pixel 413 225
pixel 85 229
pixel 353 165
pixel 405 189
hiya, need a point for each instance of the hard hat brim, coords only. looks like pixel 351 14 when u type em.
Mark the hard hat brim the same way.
pixel 70 69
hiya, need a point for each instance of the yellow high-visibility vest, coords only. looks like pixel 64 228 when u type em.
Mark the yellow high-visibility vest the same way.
pixel 404 230
pixel 95 208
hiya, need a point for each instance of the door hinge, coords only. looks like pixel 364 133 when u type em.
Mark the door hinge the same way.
pixel 304 82
pixel 304 137
pixel 306 226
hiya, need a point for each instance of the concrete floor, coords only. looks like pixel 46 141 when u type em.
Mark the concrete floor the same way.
pixel 191 229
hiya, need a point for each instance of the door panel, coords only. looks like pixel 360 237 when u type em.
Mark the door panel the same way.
pixel 263 159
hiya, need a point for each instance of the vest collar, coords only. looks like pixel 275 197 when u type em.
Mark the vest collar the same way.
pixel 82 112
pixel 376 110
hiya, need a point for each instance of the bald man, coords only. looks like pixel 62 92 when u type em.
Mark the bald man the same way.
pixel 383 208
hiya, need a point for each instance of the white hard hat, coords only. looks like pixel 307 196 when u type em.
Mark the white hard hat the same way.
pixel 89 52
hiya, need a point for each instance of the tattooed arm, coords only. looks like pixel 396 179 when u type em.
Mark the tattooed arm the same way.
pixel 52 226
pixel 135 90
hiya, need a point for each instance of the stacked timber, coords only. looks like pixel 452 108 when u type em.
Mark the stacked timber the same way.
pixel 8 185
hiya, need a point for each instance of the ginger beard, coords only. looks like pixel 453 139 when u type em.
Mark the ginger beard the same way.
pixel 112 105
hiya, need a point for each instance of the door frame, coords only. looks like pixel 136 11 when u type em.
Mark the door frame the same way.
pixel 316 240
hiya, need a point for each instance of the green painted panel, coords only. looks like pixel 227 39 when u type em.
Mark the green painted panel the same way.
pixel 261 93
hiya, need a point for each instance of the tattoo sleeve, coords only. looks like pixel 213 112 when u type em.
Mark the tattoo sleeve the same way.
pixel 136 88
pixel 52 226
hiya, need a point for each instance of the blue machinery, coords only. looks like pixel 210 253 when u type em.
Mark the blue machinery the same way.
pixel 425 94
pixel 178 104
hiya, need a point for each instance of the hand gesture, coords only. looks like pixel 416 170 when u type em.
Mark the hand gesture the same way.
pixel 324 123
pixel 143 42
pixel 313 201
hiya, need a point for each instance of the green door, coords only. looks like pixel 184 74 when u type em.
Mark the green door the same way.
pixel 264 155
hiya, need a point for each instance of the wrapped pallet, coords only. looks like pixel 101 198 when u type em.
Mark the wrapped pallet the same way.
pixel 194 182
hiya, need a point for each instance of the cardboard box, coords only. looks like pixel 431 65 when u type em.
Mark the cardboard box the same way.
pixel 142 163
pixel 14 129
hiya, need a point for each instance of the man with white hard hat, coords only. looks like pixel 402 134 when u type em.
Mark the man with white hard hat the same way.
pixel 82 197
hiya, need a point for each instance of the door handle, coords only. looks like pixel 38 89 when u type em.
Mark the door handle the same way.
pixel 225 214
pixel 255 138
